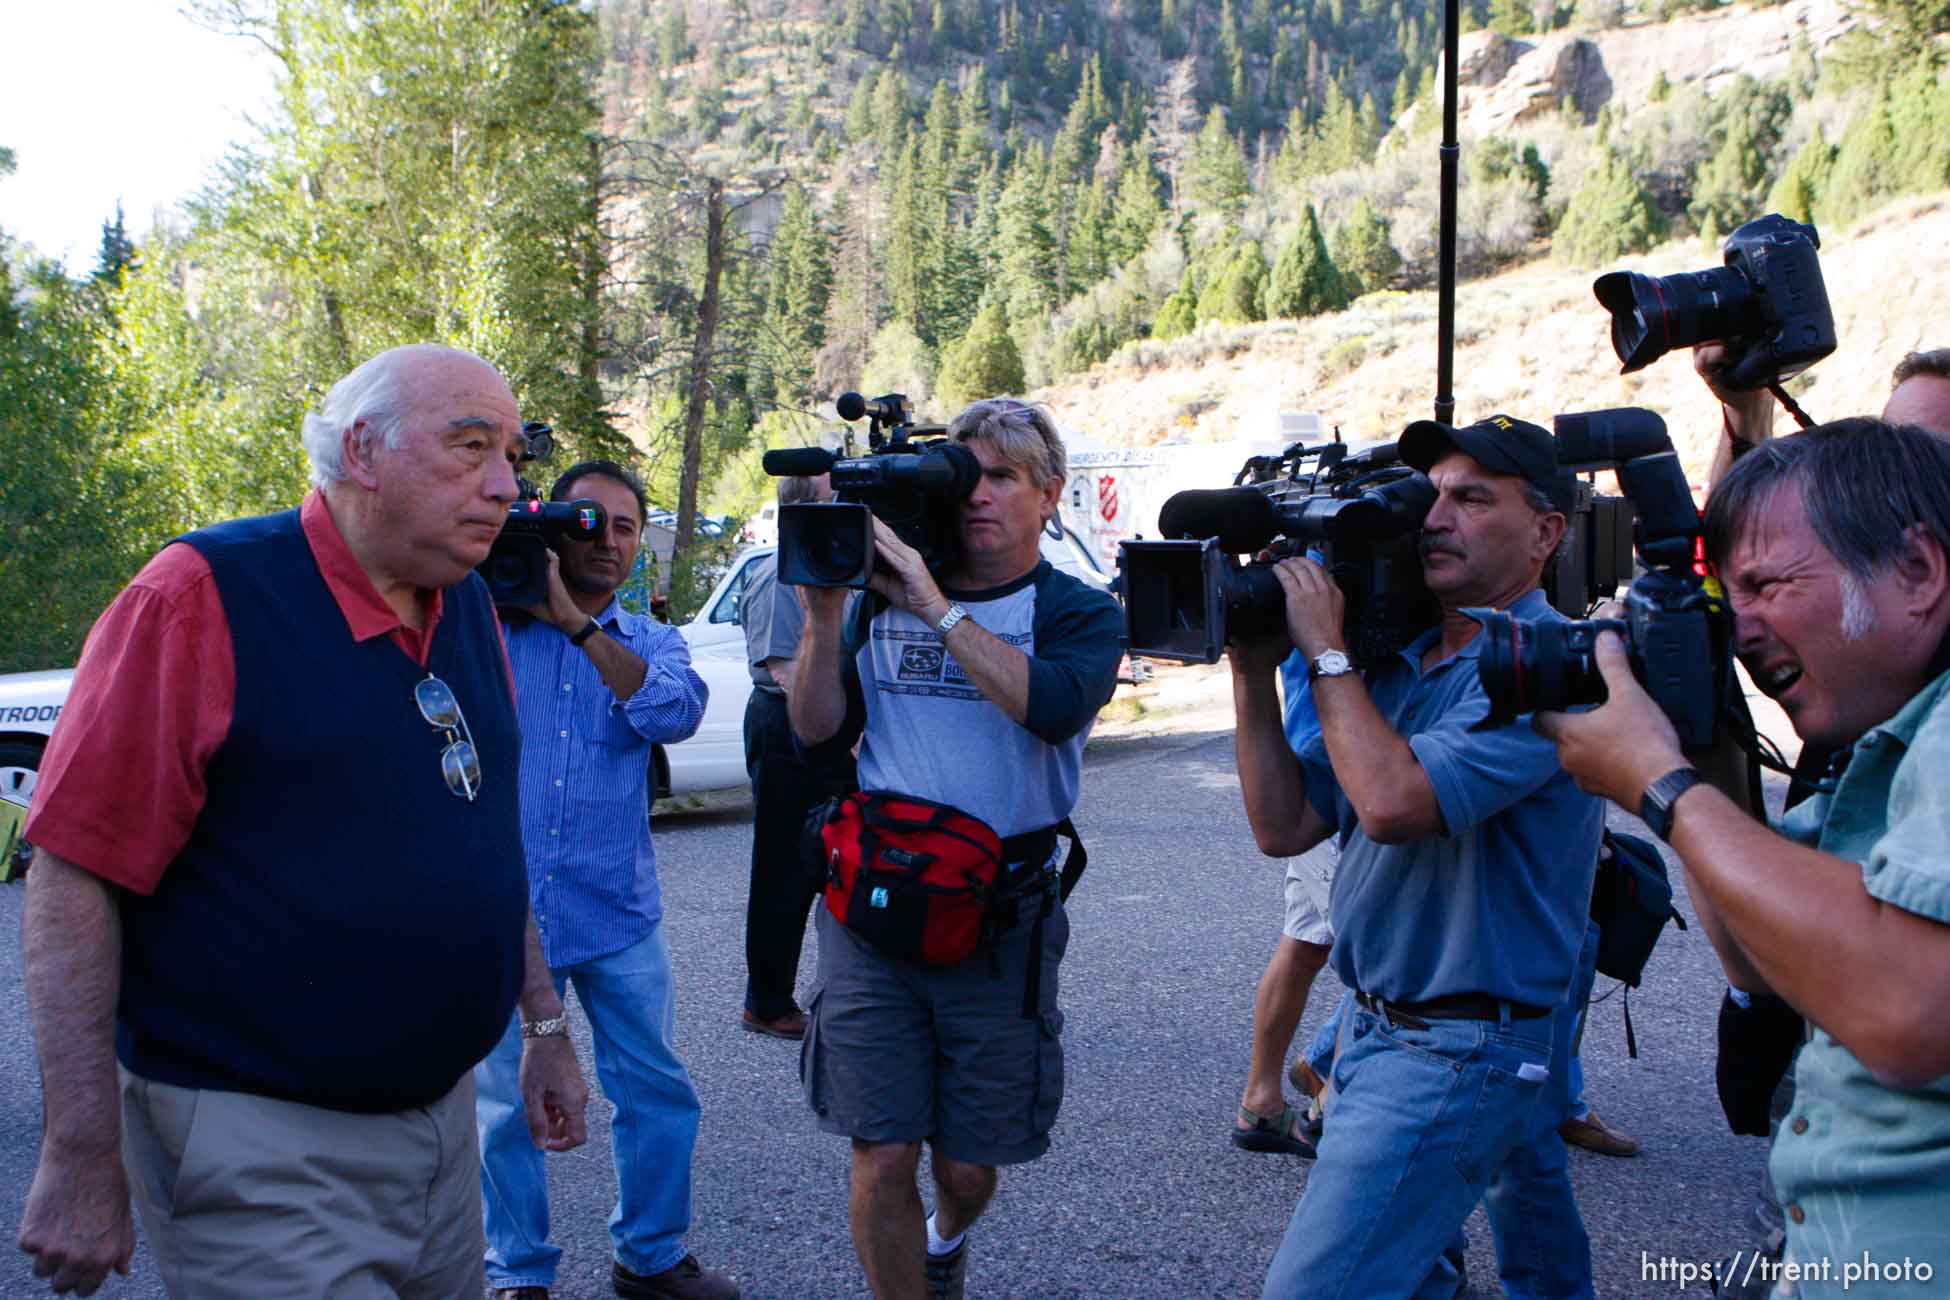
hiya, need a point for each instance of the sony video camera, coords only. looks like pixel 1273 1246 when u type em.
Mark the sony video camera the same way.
pixel 1361 516
pixel 1677 627
pixel 913 480
pixel 1187 597
pixel 516 568
pixel 1767 304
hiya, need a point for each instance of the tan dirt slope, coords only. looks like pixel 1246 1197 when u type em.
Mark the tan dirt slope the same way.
pixel 1530 342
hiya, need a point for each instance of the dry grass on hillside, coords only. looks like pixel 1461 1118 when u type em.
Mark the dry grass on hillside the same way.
pixel 1531 342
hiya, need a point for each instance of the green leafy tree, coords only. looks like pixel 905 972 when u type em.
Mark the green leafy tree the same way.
pixel 900 361
pixel 1304 280
pixel 981 363
pixel 1177 315
pixel 1801 183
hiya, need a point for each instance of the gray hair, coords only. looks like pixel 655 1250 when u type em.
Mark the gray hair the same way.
pixel 1863 483
pixel 374 394
pixel 1023 432
pixel 796 488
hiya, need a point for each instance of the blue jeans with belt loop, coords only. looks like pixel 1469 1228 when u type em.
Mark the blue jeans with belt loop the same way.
pixel 627 998
pixel 1542 1250
pixel 1423 1120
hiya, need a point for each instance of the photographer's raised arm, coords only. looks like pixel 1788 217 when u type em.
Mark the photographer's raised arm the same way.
pixel 817 701
pixel 1373 764
pixel 1873 975
pixel 1746 415
pixel 1284 821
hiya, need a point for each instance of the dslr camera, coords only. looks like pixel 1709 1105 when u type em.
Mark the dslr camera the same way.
pixel 1767 304
pixel 1677 627
pixel 516 567
pixel 913 480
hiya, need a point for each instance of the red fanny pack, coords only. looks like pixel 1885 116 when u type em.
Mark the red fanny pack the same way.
pixel 914 878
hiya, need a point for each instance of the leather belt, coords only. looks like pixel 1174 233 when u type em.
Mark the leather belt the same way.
pixel 1451 1006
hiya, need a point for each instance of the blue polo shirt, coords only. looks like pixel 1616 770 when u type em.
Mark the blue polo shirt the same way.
pixel 1497 902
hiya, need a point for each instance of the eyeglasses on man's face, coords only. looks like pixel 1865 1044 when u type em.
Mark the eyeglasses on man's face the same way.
pixel 460 763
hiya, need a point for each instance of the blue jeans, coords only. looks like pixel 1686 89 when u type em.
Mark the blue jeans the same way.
pixel 627 997
pixel 1422 1122
pixel 1542 1250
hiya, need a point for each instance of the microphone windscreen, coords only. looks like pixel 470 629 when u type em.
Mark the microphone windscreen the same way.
pixel 797 462
pixel 1241 518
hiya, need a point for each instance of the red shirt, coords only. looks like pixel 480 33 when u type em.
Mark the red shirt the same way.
pixel 122 782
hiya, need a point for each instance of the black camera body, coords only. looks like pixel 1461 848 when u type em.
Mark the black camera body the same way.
pixel 516 567
pixel 1187 597
pixel 913 480
pixel 1767 304
pixel 1677 628
pixel 1360 515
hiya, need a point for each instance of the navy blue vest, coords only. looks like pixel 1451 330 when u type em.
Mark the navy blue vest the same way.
pixel 340 929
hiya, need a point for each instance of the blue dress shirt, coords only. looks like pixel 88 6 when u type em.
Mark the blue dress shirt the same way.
pixel 585 766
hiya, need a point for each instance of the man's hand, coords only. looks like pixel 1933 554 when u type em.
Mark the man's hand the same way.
pixel 1623 745
pixel 553 1093
pixel 558 609
pixel 909 585
pixel 1315 607
pixel 77 1225
pixel 1749 411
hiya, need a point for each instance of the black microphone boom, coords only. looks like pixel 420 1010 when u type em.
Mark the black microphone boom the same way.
pixel 797 462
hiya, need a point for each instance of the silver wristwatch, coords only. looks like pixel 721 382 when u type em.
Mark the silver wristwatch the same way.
pixel 553 1027
pixel 954 615
pixel 1330 663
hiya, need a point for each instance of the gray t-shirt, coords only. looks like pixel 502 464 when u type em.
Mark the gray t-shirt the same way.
pixel 927 730
pixel 773 620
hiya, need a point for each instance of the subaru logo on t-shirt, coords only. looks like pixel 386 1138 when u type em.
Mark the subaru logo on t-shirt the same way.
pixel 920 663
pixel 878 898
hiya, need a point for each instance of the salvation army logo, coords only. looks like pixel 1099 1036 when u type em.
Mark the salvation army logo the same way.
pixel 1107 497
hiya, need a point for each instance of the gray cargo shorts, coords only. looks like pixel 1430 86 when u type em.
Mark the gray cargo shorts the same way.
pixel 897 1052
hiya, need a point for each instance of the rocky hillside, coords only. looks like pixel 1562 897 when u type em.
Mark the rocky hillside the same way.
pixel 1531 342
pixel 1507 81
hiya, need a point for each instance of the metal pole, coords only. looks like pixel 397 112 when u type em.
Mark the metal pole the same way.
pixel 1450 152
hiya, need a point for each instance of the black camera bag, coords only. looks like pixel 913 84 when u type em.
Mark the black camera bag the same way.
pixel 1631 901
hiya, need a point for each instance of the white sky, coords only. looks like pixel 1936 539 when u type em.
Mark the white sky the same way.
pixel 114 99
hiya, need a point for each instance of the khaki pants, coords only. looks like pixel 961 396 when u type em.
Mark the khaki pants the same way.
pixel 248 1198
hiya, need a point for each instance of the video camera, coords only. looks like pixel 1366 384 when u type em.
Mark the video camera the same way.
pixel 912 480
pixel 516 567
pixel 1360 514
pixel 1767 304
pixel 1677 627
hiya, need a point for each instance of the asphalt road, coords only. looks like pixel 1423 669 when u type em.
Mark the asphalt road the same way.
pixel 1141 1194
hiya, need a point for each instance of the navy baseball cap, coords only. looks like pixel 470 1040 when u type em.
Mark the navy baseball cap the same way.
pixel 1501 444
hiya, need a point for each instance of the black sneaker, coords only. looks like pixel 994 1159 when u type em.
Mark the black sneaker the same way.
pixel 948 1274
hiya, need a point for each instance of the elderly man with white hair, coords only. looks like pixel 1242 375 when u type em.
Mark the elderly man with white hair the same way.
pixel 278 908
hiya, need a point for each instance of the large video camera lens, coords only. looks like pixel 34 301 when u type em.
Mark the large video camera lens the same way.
pixel 825 544
pixel 1528 665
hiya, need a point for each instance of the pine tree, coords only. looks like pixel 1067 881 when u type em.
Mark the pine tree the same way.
pixel 1029 267
pixel 1610 215
pixel 1136 210
pixel 984 362
pixel 117 254
pixel 1304 280
pixel 1177 316
pixel 1235 295
pixel 1216 179
pixel 859 110
pixel 1799 189
pixel 1362 246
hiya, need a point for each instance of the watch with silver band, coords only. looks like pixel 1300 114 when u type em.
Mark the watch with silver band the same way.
pixel 553 1027
pixel 1655 805
pixel 954 615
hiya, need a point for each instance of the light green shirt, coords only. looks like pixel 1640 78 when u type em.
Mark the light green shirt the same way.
pixel 1863 1169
